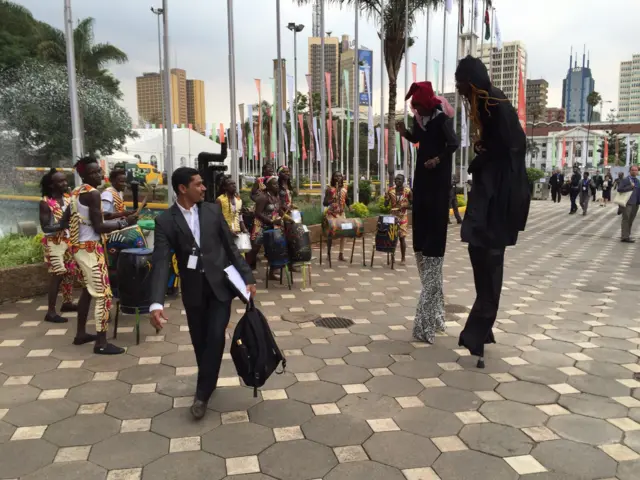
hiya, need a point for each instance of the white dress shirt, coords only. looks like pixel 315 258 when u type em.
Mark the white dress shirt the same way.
pixel 192 218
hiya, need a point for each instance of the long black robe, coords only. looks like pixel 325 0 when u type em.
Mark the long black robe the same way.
pixel 431 186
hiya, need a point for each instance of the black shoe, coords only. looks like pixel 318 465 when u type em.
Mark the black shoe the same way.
pixel 628 240
pixel 108 349
pixel 55 319
pixel 198 409
pixel 69 307
pixel 86 338
pixel 459 221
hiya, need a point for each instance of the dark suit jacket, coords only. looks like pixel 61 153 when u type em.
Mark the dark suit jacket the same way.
pixel 626 185
pixel 556 180
pixel 216 252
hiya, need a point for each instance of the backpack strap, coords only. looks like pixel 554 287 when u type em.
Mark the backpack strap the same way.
pixel 256 328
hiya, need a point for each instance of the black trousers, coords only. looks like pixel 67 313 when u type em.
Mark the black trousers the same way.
pixel 488 267
pixel 454 205
pixel 207 327
pixel 556 196
pixel 573 195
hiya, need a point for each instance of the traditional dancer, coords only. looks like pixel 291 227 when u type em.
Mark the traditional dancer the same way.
pixel 399 197
pixel 231 205
pixel 57 252
pixel 86 227
pixel 336 200
pixel 268 214
pixel 113 197
pixel 259 184
pixel 433 129
pixel 285 191
pixel 499 202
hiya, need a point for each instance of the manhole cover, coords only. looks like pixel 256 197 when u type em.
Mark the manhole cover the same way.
pixel 333 322
pixel 453 308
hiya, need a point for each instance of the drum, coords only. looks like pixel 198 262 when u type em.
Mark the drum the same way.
pixel 298 242
pixel 344 227
pixel 387 234
pixel 243 242
pixel 148 228
pixel 296 216
pixel 275 247
pixel 129 237
pixel 134 272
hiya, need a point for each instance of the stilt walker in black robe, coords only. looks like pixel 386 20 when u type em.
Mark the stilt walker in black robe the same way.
pixel 498 204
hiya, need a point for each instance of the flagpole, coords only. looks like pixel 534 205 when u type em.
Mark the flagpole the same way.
pixel 484 27
pixel 323 108
pixel 383 175
pixel 279 100
pixel 356 107
pixel 168 161
pixel 77 141
pixel 493 28
pixel 426 63
pixel 457 101
pixel 406 82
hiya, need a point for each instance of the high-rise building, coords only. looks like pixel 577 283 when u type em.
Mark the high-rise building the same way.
pixel 629 90
pixel 537 96
pixel 576 87
pixel 555 115
pixel 149 99
pixel 505 67
pixel 283 80
pixel 195 105
pixel 331 64
pixel 347 58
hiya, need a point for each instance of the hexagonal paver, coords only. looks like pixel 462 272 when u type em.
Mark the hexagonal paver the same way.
pixel 498 440
pixel 344 374
pixel 368 470
pixel 585 429
pixel 603 369
pixel 538 374
pixel 237 440
pixel 82 430
pixel 391 347
pixel 401 449
pixel 593 406
pixel 98 392
pixel 514 414
pixel 290 460
pixel 179 422
pixel 233 399
pixel 29 366
pixel 632 440
pixel 280 413
pixel 326 351
pixel 471 381
pixel 6 431
pixel 152 349
pixel 605 387
pixel 282 381
pixel 548 359
pixel 416 369
pixel 115 363
pixel 394 386
pixel 316 392
pixel 302 364
pixel 11 395
pixel 183 386
pixel 428 422
pixel 41 412
pixel 525 392
pixel 337 430
pixel 470 465
pixel 611 355
pixel 25 456
pixel 193 465
pixel 571 458
pixel 69 471
pixel 368 360
pixel 435 355
pixel 450 399
pixel 368 406
pixel 61 378
pixel 145 374
pixel 556 346
pixel 139 405
pixel 129 450
pixel 180 359
pixel 615 332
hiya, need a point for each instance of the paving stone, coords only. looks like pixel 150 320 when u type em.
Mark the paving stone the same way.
pixel 297 460
pixel 344 374
pixel 434 355
pixel 17 395
pixel 391 347
pixel 629 470
pixel 25 456
pixel 145 374
pixel 416 369
pixel 97 392
pixel 180 359
pixel 585 429
pixel 192 465
pixel 548 359
pixel 401 449
pixel 632 440
pixel 497 440
pixel 337 430
pixel 29 366
pixel 470 465
pixel 615 332
pixel 179 423
pixel 514 414
pixel 525 392
pixel 41 412
pixel 302 364
pixel 471 381
pixel 428 422
pixel 129 450
pixel 65 378
pixel 450 399
pixel 110 363
pixel 605 387
pixel 612 356
pixel 556 346
pixel 281 381
pixel 592 405
pixel 139 405
pixel 571 458
pixel 602 369
pixel 326 351
pixel 280 413
pixel 394 386
pixel 233 399
pixel 152 349
pixel 6 431
pixel 69 471
pixel 316 392
pixel 369 470
pixel 368 406
pixel 368 360
pixel 237 440
pixel 82 430
pixel 538 374
pixel 177 386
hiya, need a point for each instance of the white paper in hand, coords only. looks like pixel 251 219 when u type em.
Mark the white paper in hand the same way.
pixel 236 280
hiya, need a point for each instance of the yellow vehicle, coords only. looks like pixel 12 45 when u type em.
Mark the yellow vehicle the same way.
pixel 142 172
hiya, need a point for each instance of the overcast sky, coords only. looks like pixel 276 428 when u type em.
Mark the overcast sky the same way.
pixel 198 31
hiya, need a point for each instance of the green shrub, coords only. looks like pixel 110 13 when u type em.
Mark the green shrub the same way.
pixel 364 192
pixel 381 206
pixel 360 210
pixel 20 250
pixel 461 201
pixel 534 174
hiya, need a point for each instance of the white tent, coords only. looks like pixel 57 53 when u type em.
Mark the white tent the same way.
pixel 187 144
pixel 118 157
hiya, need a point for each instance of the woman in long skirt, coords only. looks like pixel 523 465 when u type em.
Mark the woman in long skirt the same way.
pixel 433 129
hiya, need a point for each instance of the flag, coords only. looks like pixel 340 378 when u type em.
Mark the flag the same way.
pixel 464 127
pixel 449 6
pixel 379 141
pixel 595 150
pixel 498 33
pixel 153 125
pixel 175 125
pixel 283 117
pixel 147 126
pixel 564 152
pixel 522 103
pixel 260 142
pixel 398 153
pixel 617 148
pixel 606 152
pixel 476 13
pixel 346 89
pixel 487 24
pixel 414 71
pixel 304 148
pixel 221 132
pixel 242 148
pixel 628 162
pixel 315 136
pixel 386 146
pixel 190 126
pixel 436 69
pixel 252 146
pixel 553 153
pixel 327 81
pixel 274 127
pixel 239 138
pixel 292 117
pixel 461 12
pixel 370 134
pixel 183 126
pixel 310 118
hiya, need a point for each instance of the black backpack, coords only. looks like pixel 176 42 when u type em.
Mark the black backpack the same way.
pixel 254 350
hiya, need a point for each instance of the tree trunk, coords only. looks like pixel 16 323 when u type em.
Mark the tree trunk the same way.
pixel 391 147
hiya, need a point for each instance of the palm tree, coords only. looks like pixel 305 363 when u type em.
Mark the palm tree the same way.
pixel 593 99
pixel 91 58
pixel 394 40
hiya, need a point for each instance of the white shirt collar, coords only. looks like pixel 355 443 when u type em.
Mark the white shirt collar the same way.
pixel 184 210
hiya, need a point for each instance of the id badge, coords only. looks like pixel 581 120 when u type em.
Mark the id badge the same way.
pixel 193 262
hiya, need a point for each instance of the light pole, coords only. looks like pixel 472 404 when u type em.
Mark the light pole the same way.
pixel 168 161
pixel 323 107
pixel 158 12
pixel 77 141
pixel 356 108
pixel 294 121
pixel 233 128
pixel 282 155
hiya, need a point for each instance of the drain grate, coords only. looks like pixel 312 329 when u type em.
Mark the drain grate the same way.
pixel 333 322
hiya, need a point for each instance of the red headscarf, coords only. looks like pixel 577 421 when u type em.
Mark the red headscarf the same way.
pixel 421 93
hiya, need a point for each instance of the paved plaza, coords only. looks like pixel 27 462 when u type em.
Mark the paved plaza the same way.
pixel 557 401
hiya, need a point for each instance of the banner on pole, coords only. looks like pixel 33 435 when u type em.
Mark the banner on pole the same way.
pixel 436 70
pixel 553 153
pixel 628 162
pixel 496 25
pixel 252 153
pixel 464 127
pixel 414 71
pixel 315 137
pixel 291 92
pixel 370 134
pixel 398 156
pixel 346 87
pixel 274 124
pixel 606 152
pixel 327 77
pixel 221 133
pixel 304 148
pixel 260 142
pixel 379 143
pixel 386 146
pixel 564 151
pixel 522 103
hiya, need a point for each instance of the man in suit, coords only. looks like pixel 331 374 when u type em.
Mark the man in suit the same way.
pixel 200 237
pixel 555 183
pixel 630 184
pixel 453 202
pixel 576 179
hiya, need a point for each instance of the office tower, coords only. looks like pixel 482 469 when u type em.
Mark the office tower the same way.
pixel 196 112
pixel 537 96
pixel 505 67
pixel 629 90
pixel 331 64
pixel 347 57
pixel 555 115
pixel 576 87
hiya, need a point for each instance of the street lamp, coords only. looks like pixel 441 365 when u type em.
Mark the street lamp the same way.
pixel 295 29
pixel 159 12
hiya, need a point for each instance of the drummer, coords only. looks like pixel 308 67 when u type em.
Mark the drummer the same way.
pixel 268 215
pixel 113 196
pixel 258 185
pixel 231 205
pixel 285 192
pixel 399 197
pixel 336 201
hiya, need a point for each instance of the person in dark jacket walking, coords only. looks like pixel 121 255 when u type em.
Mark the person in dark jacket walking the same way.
pixel 453 199
pixel 576 180
pixel 433 129
pixel 498 205
pixel 555 183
